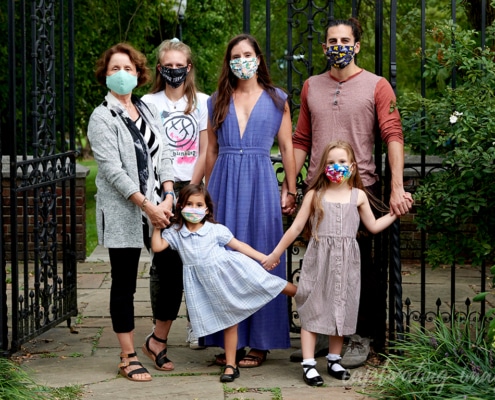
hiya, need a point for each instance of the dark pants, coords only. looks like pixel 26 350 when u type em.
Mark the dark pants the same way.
pixel 166 285
pixel 124 266
pixel 373 299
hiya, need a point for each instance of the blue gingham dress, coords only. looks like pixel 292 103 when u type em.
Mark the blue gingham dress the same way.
pixel 222 287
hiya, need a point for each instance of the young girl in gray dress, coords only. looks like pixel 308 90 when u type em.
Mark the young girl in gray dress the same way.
pixel 328 293
pixel 222 286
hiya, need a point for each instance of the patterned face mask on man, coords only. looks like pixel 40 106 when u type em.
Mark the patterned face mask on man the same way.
pixel 340 56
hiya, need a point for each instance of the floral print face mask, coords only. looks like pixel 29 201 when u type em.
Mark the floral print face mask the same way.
pixel 244 68
pixel 340 56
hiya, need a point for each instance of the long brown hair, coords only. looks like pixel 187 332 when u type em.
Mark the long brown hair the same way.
pixel 228 81
pixel 184 194
pixel 190 83
pixel 136 57
pixel 321 183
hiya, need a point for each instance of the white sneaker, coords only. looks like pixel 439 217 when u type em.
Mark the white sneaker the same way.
pixel 192 339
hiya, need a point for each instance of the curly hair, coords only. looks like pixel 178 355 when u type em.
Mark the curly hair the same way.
pixel 136 57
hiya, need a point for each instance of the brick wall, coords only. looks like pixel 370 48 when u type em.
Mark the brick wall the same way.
pixel 26 217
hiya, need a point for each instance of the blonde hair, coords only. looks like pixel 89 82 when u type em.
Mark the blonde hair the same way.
pixel 190 83
pixel 321 183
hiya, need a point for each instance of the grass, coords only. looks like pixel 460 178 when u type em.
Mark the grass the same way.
pixel 15 383
pixel 91 235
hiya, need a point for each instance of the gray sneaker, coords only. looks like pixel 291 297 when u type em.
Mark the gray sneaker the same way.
pixel 321 349
pixel 356 352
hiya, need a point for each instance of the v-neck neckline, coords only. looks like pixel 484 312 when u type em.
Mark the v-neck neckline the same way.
pixel 241 135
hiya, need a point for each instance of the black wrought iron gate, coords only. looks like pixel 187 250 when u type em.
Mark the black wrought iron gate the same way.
pixel 306 24
pixel 38 288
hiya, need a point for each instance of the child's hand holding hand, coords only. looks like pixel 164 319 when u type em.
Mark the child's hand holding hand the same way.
pixel 270 262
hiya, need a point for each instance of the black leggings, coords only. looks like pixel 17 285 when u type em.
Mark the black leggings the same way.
pixel 166 285
pixel 124 266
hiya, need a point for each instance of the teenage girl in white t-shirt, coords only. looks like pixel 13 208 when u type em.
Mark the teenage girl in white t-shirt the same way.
pixel 184 115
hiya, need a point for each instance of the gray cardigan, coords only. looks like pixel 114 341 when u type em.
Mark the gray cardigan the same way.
pixel 119 221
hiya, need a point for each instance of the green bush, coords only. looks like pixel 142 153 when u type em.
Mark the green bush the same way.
pixel 456 122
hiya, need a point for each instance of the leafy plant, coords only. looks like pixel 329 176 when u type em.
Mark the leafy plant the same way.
pixel 450 362
pixel 456 122
pixel 491 323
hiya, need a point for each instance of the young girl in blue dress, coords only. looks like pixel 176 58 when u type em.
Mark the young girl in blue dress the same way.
pixel 328 293
pixel 222 286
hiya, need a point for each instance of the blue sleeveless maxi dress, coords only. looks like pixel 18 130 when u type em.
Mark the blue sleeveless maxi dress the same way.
pixel 246 198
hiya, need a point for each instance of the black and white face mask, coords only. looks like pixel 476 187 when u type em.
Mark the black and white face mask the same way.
pixel 173 76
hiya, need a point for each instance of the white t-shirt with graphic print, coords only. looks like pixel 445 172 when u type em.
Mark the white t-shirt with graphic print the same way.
pixel 181 131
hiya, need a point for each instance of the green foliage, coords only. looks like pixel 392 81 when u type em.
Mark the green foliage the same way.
pixel 450 362
pixel 91 233
pixel 15 383
pixel 490 313
pixel 456 122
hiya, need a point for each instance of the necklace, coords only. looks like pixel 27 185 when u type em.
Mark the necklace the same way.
pixel 172 102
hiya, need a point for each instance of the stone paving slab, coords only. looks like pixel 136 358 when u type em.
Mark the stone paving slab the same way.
pixel 90 356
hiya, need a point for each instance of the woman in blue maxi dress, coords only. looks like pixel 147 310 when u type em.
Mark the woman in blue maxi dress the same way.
pixel 242 183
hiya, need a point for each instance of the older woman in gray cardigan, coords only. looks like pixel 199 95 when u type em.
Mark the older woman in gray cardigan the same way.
pixel 134 175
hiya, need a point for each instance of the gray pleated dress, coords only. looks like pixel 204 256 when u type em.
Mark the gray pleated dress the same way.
pixel 328 293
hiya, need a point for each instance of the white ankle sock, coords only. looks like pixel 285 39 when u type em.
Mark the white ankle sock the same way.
pixel 334 357
pixel 313 372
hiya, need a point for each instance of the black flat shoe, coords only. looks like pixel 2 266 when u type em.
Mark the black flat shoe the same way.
pixel 314 381
pixel 343 375
pixel 230 377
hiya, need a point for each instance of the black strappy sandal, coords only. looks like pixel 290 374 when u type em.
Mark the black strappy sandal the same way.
pixel 129 375
pixel 159 359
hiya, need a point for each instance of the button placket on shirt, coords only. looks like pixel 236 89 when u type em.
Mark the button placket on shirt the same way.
pixel 337 93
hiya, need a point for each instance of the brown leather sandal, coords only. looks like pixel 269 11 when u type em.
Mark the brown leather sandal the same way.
pixel 159 359
pixel 252 361
pixel 221 361
pixel 129 375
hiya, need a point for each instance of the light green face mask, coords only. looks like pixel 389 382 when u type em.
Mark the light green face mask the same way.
pixel 122 82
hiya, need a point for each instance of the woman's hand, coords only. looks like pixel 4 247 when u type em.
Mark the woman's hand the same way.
pixel 159 216
pixel 167 205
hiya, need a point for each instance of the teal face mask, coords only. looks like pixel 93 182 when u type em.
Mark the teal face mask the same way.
pixel 122 82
